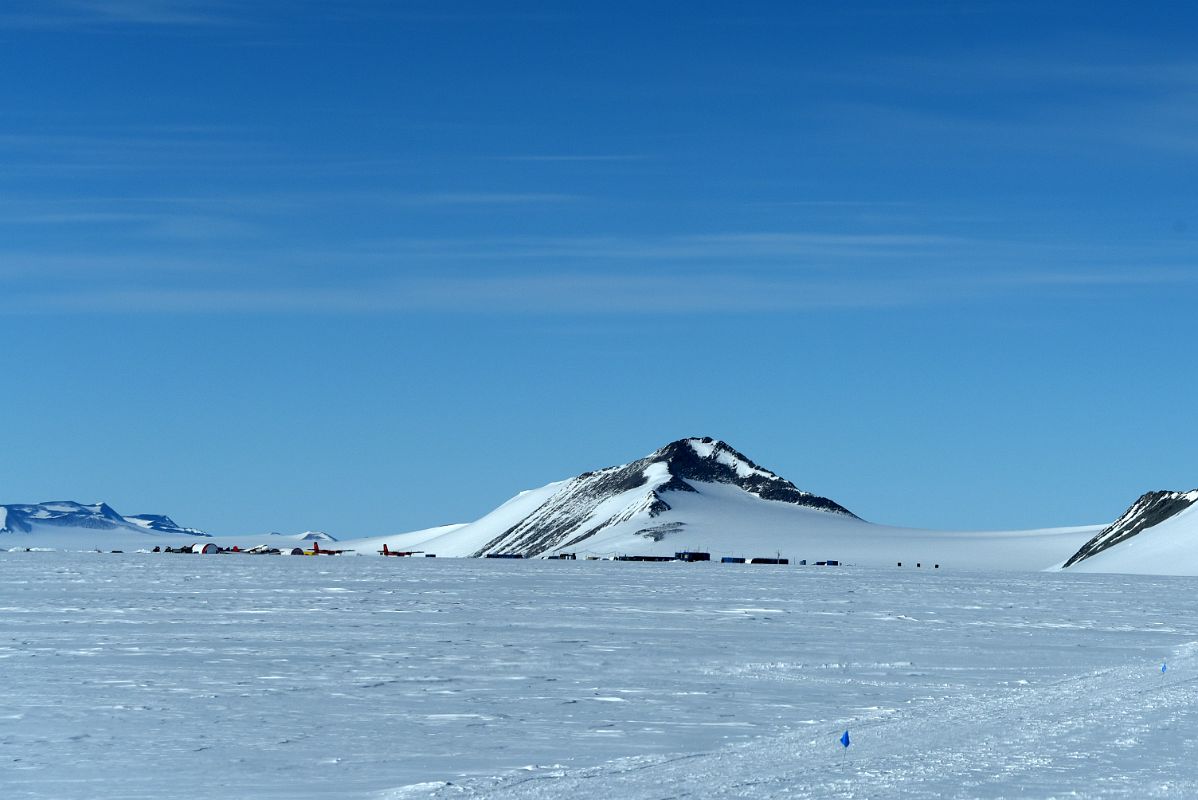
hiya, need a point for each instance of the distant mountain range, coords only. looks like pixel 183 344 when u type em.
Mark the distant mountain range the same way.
pixel 69 514
pixel 700 494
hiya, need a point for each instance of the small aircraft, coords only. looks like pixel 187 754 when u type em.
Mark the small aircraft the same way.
pixel 316 551
pixel 388 552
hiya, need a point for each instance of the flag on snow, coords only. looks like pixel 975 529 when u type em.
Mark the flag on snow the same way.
pixel 844 740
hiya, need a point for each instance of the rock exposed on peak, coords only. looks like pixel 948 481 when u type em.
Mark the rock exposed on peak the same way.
pixel 595 501
pixel 712 461
pixel 1150 510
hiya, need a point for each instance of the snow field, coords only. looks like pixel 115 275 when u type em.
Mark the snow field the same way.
pixel 152 676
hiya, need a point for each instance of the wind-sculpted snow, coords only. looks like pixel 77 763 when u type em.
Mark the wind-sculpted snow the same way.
pixel 596 502
pixel 1150 510
pixel 156 676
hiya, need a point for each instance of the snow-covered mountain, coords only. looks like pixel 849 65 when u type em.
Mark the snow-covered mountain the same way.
pixel 701 494
pixel 692 494
pixel 307 536
pixel 585 507
pixel 62 515
pixel 1158 534
pixel 162 524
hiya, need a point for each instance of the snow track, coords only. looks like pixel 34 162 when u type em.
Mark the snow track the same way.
pixel 1123 732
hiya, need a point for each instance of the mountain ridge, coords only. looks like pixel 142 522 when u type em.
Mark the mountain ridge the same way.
pixel 1146 515
pixel 25 517
pixel 601 499
pixel 697 493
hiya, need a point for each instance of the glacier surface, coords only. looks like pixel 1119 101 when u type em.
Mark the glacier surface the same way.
pixel 160 676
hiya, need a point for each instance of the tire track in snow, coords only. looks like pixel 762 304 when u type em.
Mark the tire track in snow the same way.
pixel 1121 732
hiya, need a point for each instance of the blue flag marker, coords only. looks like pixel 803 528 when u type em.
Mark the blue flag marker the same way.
pixel 1164 667
pixel 844 739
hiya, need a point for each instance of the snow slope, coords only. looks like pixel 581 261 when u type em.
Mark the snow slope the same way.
pixel 464 539
pixel 1158 535
pixel 725 521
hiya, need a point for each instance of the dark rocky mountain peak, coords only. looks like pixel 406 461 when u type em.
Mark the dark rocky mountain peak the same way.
pixel 713 461
pixel 1150 510
pixel 594 501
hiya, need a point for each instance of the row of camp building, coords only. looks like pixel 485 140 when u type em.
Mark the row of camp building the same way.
pixel 690 556
pixel 211 548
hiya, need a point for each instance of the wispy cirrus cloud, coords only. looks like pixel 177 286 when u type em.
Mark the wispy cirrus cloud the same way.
pixel 69 146
pixel 576 293
pixel 732 272
pixel 748 248
pixel 480 198
pixel 125 222
pixel 72 150
pixel 998 72
pixel 191 13
pixel 1086 102
pixel 518 294
pixel 571 157
pixel 83 13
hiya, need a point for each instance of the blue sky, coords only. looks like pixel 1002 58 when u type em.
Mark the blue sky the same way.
pixel 374 266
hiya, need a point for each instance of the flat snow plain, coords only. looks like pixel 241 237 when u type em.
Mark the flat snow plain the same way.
pixel 164 676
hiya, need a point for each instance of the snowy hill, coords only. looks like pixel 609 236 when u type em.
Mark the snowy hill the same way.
pixel 701 494
pixel 308 536
pixel 49 524
pixel 1157 535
